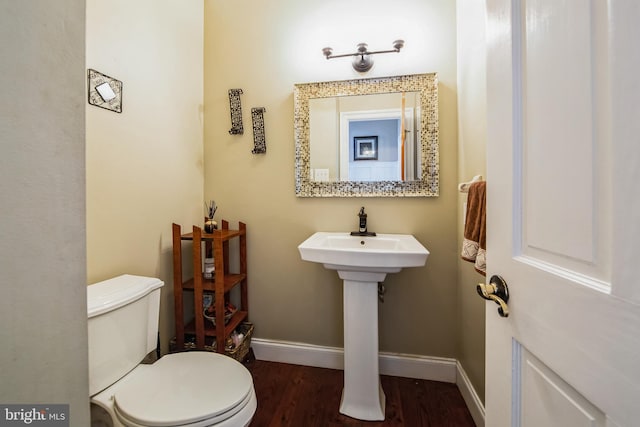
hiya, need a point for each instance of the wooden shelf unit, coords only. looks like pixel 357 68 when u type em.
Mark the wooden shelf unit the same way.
pixel 216 244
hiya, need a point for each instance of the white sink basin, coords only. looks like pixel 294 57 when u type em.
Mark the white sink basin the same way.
pixel 382 253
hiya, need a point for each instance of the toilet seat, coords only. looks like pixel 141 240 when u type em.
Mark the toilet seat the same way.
pixel 184 389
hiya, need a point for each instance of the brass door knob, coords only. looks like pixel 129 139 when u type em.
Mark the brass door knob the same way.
pixel 497 291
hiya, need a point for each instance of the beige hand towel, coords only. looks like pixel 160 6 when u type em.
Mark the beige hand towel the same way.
pixel 475 239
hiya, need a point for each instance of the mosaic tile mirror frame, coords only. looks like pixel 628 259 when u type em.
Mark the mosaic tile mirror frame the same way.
pixel 426 87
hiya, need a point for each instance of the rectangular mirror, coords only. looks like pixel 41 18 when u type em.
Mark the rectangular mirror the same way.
pixel 368 137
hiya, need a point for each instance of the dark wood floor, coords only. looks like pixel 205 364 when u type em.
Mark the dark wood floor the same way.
pixel 302 396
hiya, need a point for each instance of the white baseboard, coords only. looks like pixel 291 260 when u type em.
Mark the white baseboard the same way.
pixel 470 396
pixel 399 365
pixel 395 364
pixel 297 353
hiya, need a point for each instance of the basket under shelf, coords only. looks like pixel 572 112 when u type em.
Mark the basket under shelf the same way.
pixel 239 353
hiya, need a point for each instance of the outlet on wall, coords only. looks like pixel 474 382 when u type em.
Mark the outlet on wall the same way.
pixel 321 174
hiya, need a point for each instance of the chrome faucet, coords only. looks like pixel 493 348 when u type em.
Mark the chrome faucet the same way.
pixel 362 225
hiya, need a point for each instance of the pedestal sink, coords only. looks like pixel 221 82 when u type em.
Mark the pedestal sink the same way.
pixel 362 262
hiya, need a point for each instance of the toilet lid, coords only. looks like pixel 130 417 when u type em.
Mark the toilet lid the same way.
pixel 184 388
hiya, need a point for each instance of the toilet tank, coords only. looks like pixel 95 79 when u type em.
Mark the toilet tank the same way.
pixel 123 326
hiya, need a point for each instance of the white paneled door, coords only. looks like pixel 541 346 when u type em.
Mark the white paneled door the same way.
pixel 563 203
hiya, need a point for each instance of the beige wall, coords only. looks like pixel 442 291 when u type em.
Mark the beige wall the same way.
pixel 471 161
pixel 264 48
pixel 43 320
pixel 144 166
pixel 325 127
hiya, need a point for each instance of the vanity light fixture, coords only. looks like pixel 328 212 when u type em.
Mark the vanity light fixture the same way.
pixel 362 61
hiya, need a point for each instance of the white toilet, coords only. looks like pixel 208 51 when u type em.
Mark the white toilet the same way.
pixel 190 389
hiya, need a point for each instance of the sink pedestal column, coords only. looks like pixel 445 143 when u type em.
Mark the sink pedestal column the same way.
pixel 362 396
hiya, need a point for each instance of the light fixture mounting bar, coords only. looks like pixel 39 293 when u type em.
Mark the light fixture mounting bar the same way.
pixel 365 62
pixel 398 44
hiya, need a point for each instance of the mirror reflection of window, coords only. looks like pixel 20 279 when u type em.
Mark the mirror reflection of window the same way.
pixel 335 121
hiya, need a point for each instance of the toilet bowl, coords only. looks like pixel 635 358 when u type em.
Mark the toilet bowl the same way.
pixel 182 389
pixel 190 389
